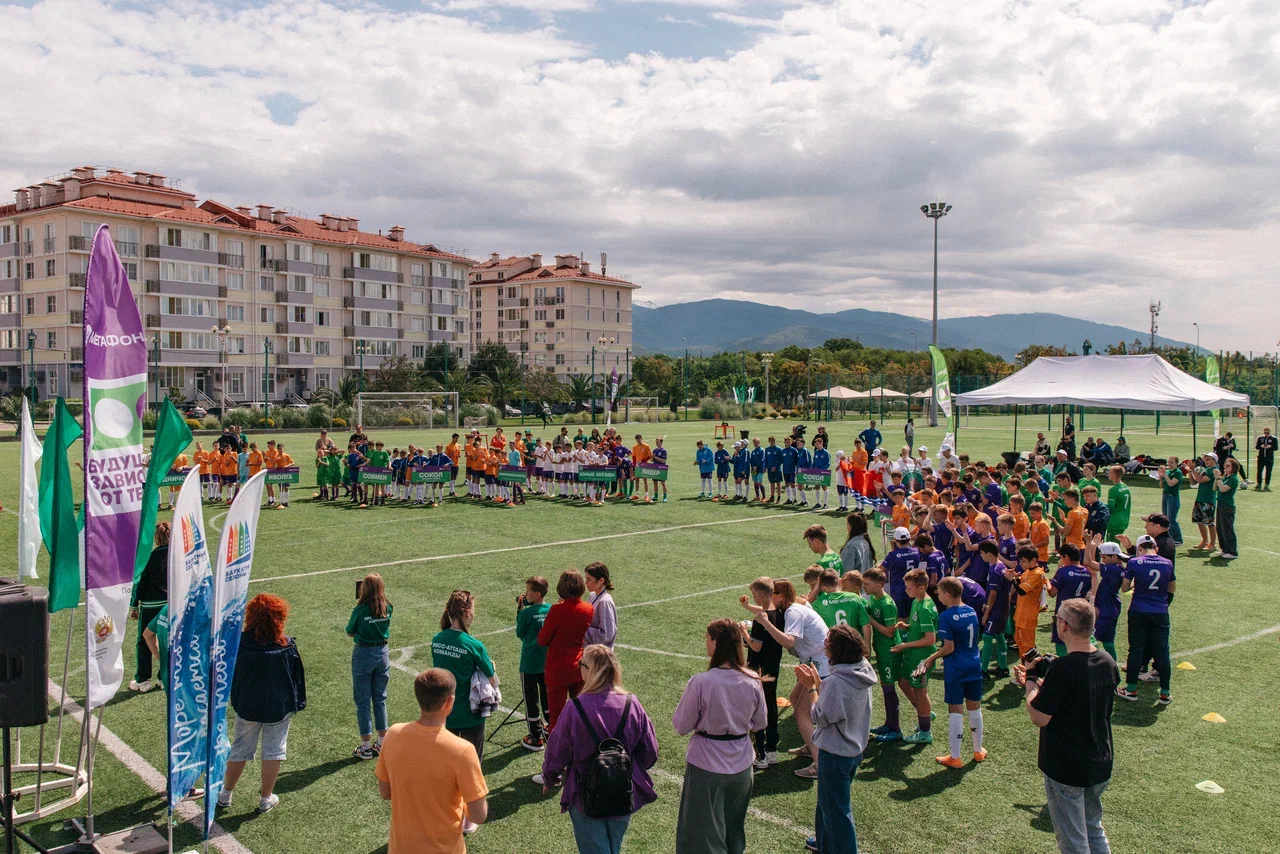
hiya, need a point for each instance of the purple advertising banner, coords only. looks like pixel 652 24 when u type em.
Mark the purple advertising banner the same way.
pixel 115 468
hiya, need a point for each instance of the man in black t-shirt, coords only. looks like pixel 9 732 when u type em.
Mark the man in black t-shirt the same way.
pixel 1072 707
pixel 764 655
pixel 1266 446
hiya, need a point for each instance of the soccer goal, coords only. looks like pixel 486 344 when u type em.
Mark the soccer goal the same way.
pixel 1265 416
pixel 644 407
pixel 407 409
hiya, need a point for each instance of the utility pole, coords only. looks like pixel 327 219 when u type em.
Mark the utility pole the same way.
pixel 155 352
pixel 1155 324
pixel 766 359
pixel 266 371
pixel 935 211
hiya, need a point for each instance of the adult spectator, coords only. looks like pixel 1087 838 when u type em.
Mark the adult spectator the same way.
pixel 1224 447
pixel 369 627
pixel 909 433
pixel 269 687
pixel 1266 446
pixel 562 634
pixel 1072 707
pixel 1103 455
pixel 858 552
pixel 323 442
pixel 431 776
pixel 604 616
pixel 603 709
pixel 150 594
pixel 839 709
pixel 1088 451
pixel 1064 464
pixel 871 438
pixel 765 658
pixel 721 707
pixel 1042 448
pixel 822 434
pixel 1171 477
pixel 454 649
pixel 946 459
pixel 1226 482
pixel 1122 452
pixel 1204 511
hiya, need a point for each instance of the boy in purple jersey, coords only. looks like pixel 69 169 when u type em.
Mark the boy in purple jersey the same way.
pixel 961 671
pixel 896 564
pixel 660 456
pixel 992 497
pixel 1008 542
pixel 972 593
pixel 1071 581
pixel 943 539
pixel 1152 581
pixel 995 612
pixel 1106 562
pixel 973 561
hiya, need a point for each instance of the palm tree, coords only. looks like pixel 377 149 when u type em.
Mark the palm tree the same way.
pixel 503 386
pixel 344 393
pixel 579 388
pixel 470 389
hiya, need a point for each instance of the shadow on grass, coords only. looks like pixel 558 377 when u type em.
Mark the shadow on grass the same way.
pixel 1040 818
pixel 1136 714
pixel 294 781
pixel 508 799
pixel 934 784
pixel 1008 697
pixel 887 761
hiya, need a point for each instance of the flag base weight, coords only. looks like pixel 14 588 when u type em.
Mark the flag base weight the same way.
pixel 143 839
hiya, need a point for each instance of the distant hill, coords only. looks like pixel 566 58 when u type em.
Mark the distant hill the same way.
pixel 716 325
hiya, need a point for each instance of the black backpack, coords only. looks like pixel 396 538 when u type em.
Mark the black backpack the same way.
pixel 606 781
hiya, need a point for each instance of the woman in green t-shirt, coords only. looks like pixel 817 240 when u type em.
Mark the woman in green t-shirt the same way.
pixel 455 650
pixel 1171 478
pixel 1226 482
pixel 370 628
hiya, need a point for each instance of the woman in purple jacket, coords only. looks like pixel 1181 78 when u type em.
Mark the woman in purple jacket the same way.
pixel 571 746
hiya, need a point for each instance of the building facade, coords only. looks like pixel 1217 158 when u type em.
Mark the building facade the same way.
pixel 553 316
pixel 306 301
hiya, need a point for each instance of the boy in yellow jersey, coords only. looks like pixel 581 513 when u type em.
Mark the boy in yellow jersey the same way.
pixel 269 459
pixel 453 452
pixel 283 460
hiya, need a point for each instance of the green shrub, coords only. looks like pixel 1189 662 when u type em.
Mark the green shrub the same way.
pixel 759 416
pixel 242 417
pixel 149 419
pixel 339 423
pixel 292 419
pixel 193 424
pixel 404 421
pixel 211 423
pixel 317 415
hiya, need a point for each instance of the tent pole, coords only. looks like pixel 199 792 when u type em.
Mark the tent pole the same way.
pixel 1248 426
pixel 1015 427
pixel 1193 435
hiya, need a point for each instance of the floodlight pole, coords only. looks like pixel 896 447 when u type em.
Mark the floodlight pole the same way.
pixel 935 211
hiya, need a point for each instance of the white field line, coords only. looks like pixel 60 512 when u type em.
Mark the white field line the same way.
pixel 659 652
pixel 189 811
pixel 509 549
pixel 656 773
pixel 1261 633
pixel 1264 551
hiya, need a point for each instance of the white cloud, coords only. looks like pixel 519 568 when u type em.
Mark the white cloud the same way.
pixel 672 19
pixel 1098 155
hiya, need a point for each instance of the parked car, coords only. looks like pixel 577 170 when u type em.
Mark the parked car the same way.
pixel 195 410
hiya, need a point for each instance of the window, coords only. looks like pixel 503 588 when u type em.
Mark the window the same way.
pixel 171 237
pixel 235 383
pixel 88 229
pixel 8 268
pixel 322 287
pixel 459 327
pixel 588 296
pixel 501 276
pixel 618 319
pixel 235 281
pixel 419 297
pixel 417 276
pixel 299 251
pixel 320 259
pixel 266 283
pixel 30 271
pixel 299 345
pixel 6 234
pixel 9 304
pixel 51 304
pixel 364 318
pixel 559 314
pixel 51 267
pixel 418 324
pixel 419 351
pixel 299 314
pixel 51 340
pixel 442 270
pixel 387 291
pixel 31 305
pixel 371 261
pixel 512 314
pixel 383 347
pixel 617 299
pixel 588 312
pixel 560 335
pixel 442 324
pixel 539 338
pixel 9 339
pixel 126 240
pixel 269 383
pixel 541 314
pixel 235 312
pixel 300 284
pixel 322 349
pixel 173 377
pixel 175 272
pixel 322 377
pixel 234 247
pixel 267 314
pixel 559 358
pixel 323 317
pixel 187 306
pixel 560 294
pixel 131 270
pixel 235 345
pixel 383 318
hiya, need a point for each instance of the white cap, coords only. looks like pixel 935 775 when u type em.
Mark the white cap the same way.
pixel 1211 455
pixel 901 534
pixel 876 452
pixel 945 447
pixel 1147 540
pixel 1061 452
pixel 922 449
pixel 839 454
pixel 1109 549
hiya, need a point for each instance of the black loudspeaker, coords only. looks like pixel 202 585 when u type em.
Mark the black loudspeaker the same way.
pixel 24 654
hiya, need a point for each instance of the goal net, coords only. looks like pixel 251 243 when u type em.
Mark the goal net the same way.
pixel 631 408
pixel 1265 416
pixel 407 409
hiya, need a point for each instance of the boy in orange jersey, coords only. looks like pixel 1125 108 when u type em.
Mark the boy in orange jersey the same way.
pixel 1073 523
pixel 454 452
pixel 282 461
pixel 1029 582
pixel 901 515
pixel 1021 521
pixel 201 459
pixel 269 460
pixel 1040 533
pixel 475 467
pixel 230 474
pixel 641 453
pixel 180 462
pixel 492 459
pixel 844 484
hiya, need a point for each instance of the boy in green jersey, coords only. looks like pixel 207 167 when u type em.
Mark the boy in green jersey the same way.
pixel 1206 506
pixel 1090 479
pixel 917 645
pixel 837 608
pixel 883 614
pixel 379 458
pixel 531 613
pixel 1120 502
pixel 1171 477
pixel 816 537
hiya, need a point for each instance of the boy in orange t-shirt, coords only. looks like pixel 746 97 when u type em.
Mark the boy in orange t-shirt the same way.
pixel 640 453
pixel 269 460
pixel 844 479
pixel 1076 518
pixel 282 461
pixel 454 453
pixel 491 461
pixel 180 463
pixel 230 474
pixel 201 459
pixel 255 459
pixel 1030 581
pixel 1040 533
pixel 1021 522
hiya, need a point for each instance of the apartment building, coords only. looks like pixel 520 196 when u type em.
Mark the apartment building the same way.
pixel 551 316
pixel 306 300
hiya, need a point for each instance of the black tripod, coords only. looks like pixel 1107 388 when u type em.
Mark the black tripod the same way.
pixel 10 846
pixel 507 721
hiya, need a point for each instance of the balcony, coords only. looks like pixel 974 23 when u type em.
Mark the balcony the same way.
pixel 152 286
pixel 348 302
pixel 399 305
pixel 399 333
pixel 222 291
pixel 524 346
pixel 183 253
pixel 282 327
pixel 76 280
pixel 277 265
pixel 348 361
pixel 77 243
pixel 524 302
pixel 320 271
pixel 551 347
pixel 438 335
pixel 524 324
pixel 548 300
pixel 368 274
pixel 348 332
pixel 442 308
pixel 8 250
pixel 127 248
pixel 50 245
pixel 282 296
pixel 227 260
pixel 418 281
pixel 28 247
pixel 551 324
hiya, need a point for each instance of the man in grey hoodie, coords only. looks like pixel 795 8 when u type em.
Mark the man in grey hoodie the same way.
pixel 840 708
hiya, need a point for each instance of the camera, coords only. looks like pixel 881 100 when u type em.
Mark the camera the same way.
pixel 521 602
pixel 1037 665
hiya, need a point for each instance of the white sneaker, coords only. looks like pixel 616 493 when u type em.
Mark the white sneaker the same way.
pixel 469 826
pixel 771 756
pixel 141 688
pixel 761 763
pixel 268 803
pixel 224 798
pixel 537 778
pixel 1228 556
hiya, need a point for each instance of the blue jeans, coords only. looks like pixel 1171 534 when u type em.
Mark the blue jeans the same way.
pixel 1077 817
pixel 598 835
pixel 370 668
pixel 1169 505
pixel 833 824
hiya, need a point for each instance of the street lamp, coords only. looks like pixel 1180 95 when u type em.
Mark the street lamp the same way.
pixel 913 341
pixel 31 348
pixel 155 353
pixel 222 334
pixel 935 211
pixel 1197 326
pixel 361 349
pixel 684 378
pixel 603 343
pixel 266 371
pixel 766 359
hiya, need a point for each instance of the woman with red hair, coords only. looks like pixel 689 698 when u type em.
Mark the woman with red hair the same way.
pixel 266 691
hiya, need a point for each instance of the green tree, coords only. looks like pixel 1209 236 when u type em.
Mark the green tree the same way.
pixel 396 373
pixel 490 358
pixel 438 361
pixel 543 386
pixel 579 389
pixel 837 344
pixel 504 387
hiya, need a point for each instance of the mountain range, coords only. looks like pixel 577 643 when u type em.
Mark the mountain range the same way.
pixel 717 325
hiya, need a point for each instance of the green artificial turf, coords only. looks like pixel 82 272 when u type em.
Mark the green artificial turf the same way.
pixel 902 800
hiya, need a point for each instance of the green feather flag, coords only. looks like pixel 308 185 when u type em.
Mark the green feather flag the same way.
pixel 172 435
pixel 58 526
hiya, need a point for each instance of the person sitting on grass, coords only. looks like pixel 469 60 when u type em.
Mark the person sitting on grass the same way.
pixel 961 670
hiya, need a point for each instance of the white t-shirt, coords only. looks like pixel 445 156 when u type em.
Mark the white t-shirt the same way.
pixel 810 632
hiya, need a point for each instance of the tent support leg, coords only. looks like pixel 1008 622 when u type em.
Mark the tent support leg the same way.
pixel 1248 443
pixel 1121 422
pixel 1193 436
pixel 1015 427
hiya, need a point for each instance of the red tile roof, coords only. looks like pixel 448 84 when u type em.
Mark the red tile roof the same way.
pixel 553 272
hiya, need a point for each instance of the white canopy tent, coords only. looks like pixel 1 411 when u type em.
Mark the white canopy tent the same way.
pixel 1143 382
pixel 839 392
pixel 886 392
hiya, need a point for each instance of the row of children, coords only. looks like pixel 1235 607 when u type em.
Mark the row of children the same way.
pixel 782 467
pixel 224 470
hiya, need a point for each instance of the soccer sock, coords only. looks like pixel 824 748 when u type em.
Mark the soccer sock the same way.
pixel 1002 652
pixel 975 729
pixel 891 707
pixel 955 733
pixel 1110 648
pixel 984 659
pixel 924 724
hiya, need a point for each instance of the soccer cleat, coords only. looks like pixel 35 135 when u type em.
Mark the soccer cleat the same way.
pixel 529 742
pixel 809 772
pixel 1149 676
pixel 979 756
pixel 949 761
pixel 637 498
pixel 268 803
pixel 881 730
pixel 919 737
pixel 891 735
pixel 1125 694
pixel 1164 699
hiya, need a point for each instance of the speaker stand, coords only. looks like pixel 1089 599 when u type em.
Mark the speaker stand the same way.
pixel 11 833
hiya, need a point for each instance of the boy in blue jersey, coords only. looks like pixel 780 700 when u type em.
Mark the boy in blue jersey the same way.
pixel 1152 581
pixel 660 456
pixel 790 462
pixel 1106 562
pixel 995 614
pixel 741 471
pixel 821 460
pixel 961 671
pixel 756 458
pixel 722 472
pixel 896 564
pixel 396 465
pixel 705 460
pixel 803 461
pixel 416 459
pixel 514 458
pixel 1071 581
pixel 773 468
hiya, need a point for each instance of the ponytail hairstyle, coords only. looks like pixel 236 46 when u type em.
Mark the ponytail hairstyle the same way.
pixel 456 609
pixel 162 534
pixel 599 572
pixel 727 637
pixel 373 594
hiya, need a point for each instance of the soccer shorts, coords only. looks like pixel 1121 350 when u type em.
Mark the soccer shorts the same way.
pixel 888 666
pixel 1202 513
pixel 453 472
pixel 758 477
pixel 955 693
pixel 995 625
pixel 722 475
pixel 789 479
pixel 1104 629
pixel 322 477
pixel 775 477
pixel 488 478
pixel 230 478
pixel 842 490
pixel 910 661
pixel 1024 636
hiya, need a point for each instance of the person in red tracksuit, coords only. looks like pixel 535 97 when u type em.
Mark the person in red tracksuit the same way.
pixel 562 634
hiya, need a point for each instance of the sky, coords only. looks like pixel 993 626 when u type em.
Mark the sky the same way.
pixel 1098 155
